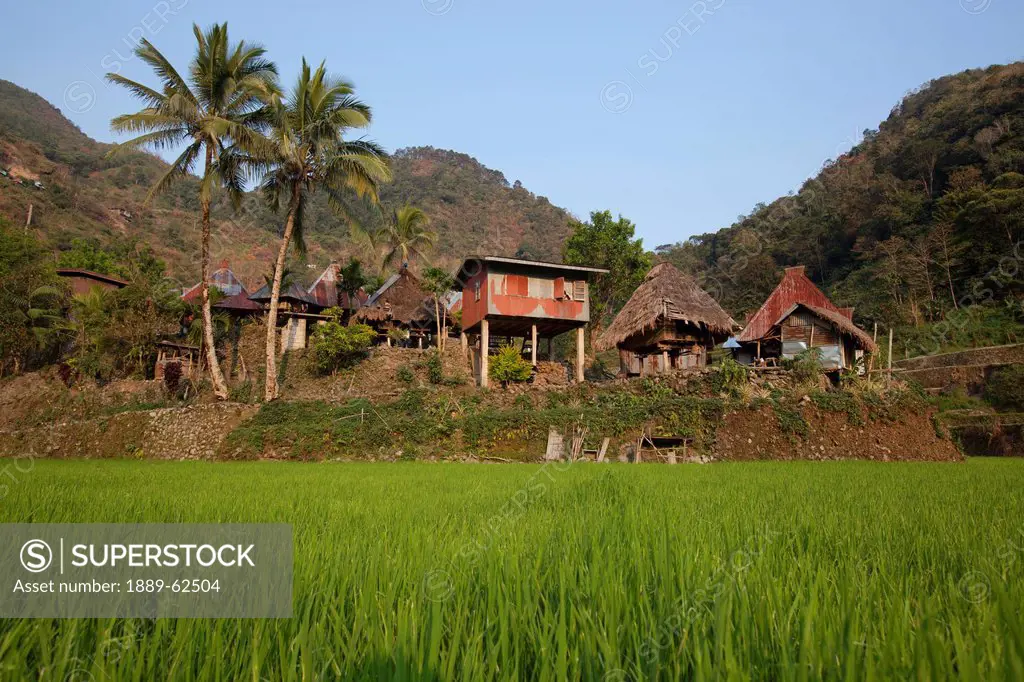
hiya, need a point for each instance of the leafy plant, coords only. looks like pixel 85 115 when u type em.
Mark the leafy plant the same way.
pixel 508 366
pixel 732 376
pixel 1005 388
pixel 435 368
pixel 805 365
pixel 405 374
pixel 336 346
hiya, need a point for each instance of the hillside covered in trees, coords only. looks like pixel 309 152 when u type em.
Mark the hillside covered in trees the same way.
pixel 86 196
pixel 920 220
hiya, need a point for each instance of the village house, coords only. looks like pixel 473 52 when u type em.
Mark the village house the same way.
pixel 84 281
pixel 668 323
pixel 798 316
pixel 235 301
pixel 511 297
pixel 399 304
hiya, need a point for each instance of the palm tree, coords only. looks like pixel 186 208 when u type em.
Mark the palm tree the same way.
pixel 222 104
pixel 406 234
pixel 309 153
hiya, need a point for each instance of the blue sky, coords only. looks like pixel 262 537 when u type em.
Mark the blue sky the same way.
pixel 679 115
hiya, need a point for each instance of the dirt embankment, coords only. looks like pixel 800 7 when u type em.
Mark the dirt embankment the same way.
pixel 758 434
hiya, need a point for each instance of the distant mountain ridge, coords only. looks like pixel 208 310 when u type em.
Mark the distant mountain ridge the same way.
pixel 474 209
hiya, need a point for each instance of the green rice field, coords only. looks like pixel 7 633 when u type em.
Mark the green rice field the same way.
pixel 841 570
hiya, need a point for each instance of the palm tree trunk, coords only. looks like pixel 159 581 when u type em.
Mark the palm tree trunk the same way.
pixel 270 392
pixel 220 387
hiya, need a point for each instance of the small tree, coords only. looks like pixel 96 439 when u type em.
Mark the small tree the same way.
pixel 336 346
pixel 509 366
pixel 1005 388
pixel 437 282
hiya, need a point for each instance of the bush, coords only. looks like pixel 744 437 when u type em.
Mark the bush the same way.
pixel 731 377
pixel 509 366
pixel 435 368
pixel 805 366
pixel 172 378
pixel 336 346
pixel 405 374
pixel 1005 388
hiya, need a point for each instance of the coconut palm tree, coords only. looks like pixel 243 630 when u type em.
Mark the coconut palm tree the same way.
pixel 406 234
pixel 310 152
pixel 221 104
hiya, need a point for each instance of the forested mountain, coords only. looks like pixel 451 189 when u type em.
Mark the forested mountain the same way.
pixel 924 216
pixel 86 196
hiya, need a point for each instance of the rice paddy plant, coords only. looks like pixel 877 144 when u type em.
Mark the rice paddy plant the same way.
pixel 794 570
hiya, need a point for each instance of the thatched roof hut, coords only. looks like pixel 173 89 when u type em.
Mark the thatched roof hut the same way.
pixel 401 300
pixel 667 309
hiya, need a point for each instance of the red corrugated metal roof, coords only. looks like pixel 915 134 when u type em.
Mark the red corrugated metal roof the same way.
pixel 794 288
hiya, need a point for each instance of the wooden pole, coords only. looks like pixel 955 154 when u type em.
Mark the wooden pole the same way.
pixel 464 342
pixel 890 353
pixel 28 220
pixel 579 355
pixel 533 345
pixel 485 342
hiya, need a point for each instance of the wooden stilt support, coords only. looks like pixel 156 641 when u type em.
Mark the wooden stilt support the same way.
pixel 533 345
pixel 485 344
pixel 579 355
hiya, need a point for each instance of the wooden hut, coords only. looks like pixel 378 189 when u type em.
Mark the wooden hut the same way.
pixel 83 281
pixel 668 323
pixel 400 303
pixel 514 297
pixel 798 316
pixel 236 301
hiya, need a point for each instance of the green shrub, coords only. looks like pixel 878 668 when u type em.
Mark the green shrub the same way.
pixel 435 368
pixel 405 374
pixel 1005 388
pixel 336 346
pixel 731 377
pixel 806 365
pixel 509 366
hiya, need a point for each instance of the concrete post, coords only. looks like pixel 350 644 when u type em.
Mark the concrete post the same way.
pixel 464 342
pixel 533 345
pixel 664 361
pixel 485 343
pixel 579 355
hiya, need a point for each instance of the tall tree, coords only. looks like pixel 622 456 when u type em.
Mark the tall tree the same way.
pixel 220 105
pixel 310 152
pixel 609 244
pixel 406 234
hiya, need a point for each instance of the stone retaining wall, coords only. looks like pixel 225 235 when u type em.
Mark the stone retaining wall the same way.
pixel 192 432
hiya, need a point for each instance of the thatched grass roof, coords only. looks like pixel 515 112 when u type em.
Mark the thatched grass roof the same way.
pixel 666 292
pixel 401 299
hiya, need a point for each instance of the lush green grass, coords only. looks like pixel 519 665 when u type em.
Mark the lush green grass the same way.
pixel 845 570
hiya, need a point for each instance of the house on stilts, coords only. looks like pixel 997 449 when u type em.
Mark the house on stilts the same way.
pixel 517 298
pixel 668 323
pixel 798 316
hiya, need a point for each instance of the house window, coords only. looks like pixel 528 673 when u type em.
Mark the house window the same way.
pixel 476 291
pixel 579 291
